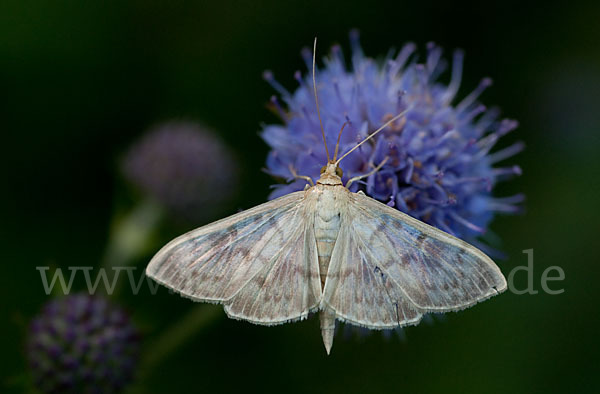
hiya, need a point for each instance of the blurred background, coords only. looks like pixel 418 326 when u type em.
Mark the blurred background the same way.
pixel 84 81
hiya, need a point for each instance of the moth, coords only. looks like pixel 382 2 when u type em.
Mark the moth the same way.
pixel 327 250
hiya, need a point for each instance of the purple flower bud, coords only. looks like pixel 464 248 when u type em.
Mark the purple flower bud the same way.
pixel 439 166
pixel 186 167
pixel 68 355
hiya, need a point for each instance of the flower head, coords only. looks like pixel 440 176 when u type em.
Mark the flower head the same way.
pixel 80 344
pixel 439 168
pixel 175 163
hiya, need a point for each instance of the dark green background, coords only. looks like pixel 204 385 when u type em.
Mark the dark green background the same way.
pixel 80 81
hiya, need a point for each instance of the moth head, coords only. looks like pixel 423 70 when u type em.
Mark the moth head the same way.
pixel 331 174
pixel 331 169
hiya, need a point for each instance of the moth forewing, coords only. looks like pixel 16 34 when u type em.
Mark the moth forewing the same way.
pixel 223 261
pixel 435 271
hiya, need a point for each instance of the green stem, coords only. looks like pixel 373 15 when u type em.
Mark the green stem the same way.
pixel 130 237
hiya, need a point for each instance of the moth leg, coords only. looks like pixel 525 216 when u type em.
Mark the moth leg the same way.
pixel 357 178
pixel 305 177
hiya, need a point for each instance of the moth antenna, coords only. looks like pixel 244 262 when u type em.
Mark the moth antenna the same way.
pixel 386 124
pixel 337 144
pixel 317 97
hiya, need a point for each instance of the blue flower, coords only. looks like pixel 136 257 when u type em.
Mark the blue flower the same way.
pixel 439 168
pixel 82 344
pixel 175 164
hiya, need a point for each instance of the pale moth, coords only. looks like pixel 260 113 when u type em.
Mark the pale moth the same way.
pixel 327 250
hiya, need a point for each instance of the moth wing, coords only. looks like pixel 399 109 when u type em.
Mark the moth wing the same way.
pixel 261 264
pixel 357 290
pixel 428 268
